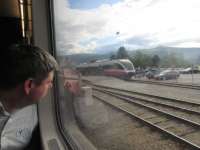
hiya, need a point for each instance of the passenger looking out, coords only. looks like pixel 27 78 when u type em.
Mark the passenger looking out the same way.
pixel 27 74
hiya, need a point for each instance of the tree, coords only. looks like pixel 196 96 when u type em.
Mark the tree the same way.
pixel 122 53
pixel 198 60
pixel 173 59
pixel 155 60
pixel 141 60
pixel 113 56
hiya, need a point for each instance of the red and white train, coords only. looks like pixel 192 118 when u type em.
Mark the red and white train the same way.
pixel 121 68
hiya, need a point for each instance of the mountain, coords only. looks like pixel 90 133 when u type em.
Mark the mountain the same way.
pixel 189 54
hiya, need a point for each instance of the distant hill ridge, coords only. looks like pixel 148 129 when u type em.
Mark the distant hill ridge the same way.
pixel 189 54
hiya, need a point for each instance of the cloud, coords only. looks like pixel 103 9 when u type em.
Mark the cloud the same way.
pixel 141 23
pixel 74 26
pixel 141 41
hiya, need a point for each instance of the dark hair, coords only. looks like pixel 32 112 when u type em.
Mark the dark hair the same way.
pixel 19 62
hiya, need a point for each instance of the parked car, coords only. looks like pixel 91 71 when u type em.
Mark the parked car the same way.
pixel 139 72
pixel 190 70
pixel 150 74
pixel 167 74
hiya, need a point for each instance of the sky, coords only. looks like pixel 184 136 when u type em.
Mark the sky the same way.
pixel 99 26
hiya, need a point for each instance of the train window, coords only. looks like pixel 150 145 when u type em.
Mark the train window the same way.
pixel 117 66
pixel 156 46
pixel 127 65
pixel 107 67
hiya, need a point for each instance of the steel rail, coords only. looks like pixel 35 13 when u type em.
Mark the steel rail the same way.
pixel 157 110
pixel 157 103
pixel 145 94
pixel 181 85
pixel 194 146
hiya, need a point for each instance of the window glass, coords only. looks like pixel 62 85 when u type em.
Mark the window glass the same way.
pixel 117 66
pixel 157 41
pixel 107 67
pixel 128 65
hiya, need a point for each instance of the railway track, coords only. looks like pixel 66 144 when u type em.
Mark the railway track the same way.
pixel 140 93
pixel 179 120
pixel 180 85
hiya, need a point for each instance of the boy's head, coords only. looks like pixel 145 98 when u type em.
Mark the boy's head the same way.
pixel 20 62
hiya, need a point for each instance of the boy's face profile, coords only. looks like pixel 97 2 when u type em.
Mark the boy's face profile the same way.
pixel 39 91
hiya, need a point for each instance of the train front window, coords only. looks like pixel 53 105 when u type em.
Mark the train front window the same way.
pixel 128 65
pixel 117 66
pixel 117 108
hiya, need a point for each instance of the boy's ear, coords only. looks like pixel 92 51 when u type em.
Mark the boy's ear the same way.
pixel 28 85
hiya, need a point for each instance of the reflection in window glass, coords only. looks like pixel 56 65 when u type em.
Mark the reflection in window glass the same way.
pixel 144 38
